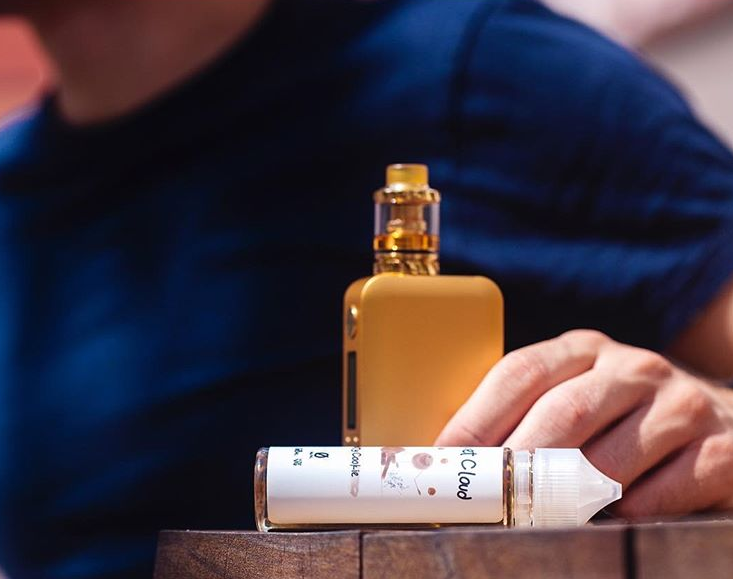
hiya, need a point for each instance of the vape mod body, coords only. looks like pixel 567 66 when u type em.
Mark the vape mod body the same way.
pixel 415 348
pixel 416 344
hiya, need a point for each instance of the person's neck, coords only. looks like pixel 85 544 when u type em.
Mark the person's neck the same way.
pixel 114 56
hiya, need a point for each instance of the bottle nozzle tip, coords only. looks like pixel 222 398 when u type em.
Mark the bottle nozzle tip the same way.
pixel 569 489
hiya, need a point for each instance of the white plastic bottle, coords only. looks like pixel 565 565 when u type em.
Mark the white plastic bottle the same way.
pixel 346 487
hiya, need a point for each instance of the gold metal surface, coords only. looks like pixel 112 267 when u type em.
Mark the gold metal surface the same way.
pixel 407 263
pixel 407 174
pixel 352 317
pixel 400 240
pixel 424 344
pixel 406 238
pixel 397 195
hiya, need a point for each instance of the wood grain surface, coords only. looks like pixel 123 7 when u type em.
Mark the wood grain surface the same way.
pixel 590 552
pixel 697 548
pixel 245 555
pixel 691 549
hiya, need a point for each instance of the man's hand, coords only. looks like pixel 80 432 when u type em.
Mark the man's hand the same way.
pixel 665 434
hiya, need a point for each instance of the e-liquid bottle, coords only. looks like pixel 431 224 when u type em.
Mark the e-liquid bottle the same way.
pixel 300 488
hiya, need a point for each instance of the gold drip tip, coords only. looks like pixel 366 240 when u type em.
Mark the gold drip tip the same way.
pixel 407 175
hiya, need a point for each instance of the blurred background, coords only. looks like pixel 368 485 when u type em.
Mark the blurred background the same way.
pixel 697 57
pixel 24 70
pixel 690 41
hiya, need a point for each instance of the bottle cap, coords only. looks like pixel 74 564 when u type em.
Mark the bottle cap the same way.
pixel 567 490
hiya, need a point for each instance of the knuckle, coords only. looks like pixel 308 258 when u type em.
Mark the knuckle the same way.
pixel 567 415
pixel 697 405
pixel 688 406
pixel 719 449
pixel 523 369
pixel 591 336
pixel 725 449
pixel 649 365
pixel 576 411
pixel 714 468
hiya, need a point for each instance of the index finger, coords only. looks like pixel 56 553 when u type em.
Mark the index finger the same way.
pixel 512 386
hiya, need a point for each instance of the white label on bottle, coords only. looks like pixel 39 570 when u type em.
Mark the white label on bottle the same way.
pixel 385 485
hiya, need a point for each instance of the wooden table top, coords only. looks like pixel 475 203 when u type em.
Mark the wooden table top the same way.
pixel 694 548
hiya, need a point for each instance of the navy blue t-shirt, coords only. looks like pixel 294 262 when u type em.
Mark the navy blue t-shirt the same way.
pixel 171 282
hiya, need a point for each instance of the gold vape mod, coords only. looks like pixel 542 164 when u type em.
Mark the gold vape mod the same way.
pixel 416 344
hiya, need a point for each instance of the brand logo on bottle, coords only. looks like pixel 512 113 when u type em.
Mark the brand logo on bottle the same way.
pixel 355 460
pixel 468 466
